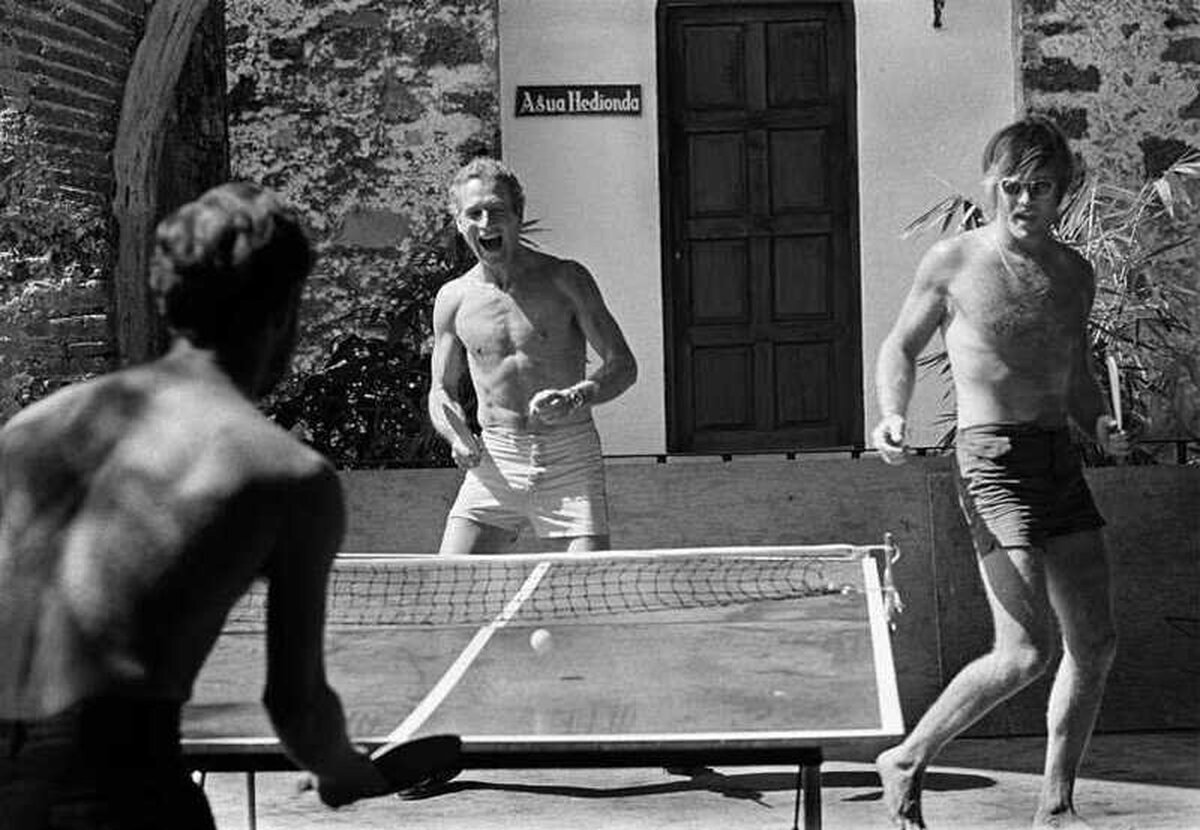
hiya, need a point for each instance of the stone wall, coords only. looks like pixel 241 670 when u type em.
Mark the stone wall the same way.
pixel 62 72
pixel 358 112
pixel 1122 77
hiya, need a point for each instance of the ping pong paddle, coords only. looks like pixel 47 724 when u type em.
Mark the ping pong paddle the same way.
pixel 458 425
pixel 435 758
pixel 1114 388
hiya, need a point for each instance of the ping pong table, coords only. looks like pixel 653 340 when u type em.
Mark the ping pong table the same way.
pixel 668 658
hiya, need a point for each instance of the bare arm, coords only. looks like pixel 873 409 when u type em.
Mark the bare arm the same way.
pixel 895 370
pixel 1086 403
pixel 305 711
pixel 448 365
pixel 618 367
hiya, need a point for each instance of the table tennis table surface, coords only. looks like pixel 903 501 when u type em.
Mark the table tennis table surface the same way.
pixel 747 682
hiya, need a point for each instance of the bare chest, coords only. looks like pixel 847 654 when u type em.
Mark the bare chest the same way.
pixel 492 323
pixel 1018 306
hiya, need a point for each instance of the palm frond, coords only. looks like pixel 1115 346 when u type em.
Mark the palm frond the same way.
pixel 529 226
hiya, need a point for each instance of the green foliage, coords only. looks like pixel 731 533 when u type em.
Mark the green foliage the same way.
pixel 1143 312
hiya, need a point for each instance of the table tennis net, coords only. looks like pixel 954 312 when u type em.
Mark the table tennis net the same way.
pixel 417 591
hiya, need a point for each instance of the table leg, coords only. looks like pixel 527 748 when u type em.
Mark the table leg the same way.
pixel 811 790
pixel 251 806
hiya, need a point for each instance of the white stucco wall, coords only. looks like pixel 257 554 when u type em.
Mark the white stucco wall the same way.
pixel 927 101
pixel 593 180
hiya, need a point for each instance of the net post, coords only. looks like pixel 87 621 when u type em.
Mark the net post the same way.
pixel 892 603
pixel 799 791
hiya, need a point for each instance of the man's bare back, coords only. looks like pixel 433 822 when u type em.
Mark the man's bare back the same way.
pixel 122 498
pixel 136 508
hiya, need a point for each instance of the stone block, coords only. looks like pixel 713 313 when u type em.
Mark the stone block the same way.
pixel 1062 75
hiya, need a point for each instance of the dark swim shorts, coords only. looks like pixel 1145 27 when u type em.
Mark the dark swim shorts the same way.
pixel 103 764
pixel 1021 484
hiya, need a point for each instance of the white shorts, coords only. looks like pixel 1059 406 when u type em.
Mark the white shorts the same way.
pixel 552 479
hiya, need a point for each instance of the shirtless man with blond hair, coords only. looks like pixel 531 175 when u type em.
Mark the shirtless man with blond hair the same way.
pixel 520 322
pixel 135 509
pixel 1012 304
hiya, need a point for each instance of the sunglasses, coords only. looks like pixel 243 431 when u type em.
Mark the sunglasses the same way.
pixel 1036 188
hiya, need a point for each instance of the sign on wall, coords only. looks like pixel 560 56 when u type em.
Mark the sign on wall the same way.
pixel 579 99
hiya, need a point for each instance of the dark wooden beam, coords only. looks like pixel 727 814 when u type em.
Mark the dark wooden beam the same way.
pixel 149 101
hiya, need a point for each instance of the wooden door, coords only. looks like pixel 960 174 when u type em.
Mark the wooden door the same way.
pixel 761 271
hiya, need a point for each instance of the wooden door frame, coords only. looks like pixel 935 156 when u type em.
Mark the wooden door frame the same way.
pixel 667 159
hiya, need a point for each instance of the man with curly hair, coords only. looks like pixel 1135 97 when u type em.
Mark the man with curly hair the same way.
pixel 135 508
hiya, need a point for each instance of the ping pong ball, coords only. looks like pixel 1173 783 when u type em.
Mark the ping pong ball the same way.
pixel 540 640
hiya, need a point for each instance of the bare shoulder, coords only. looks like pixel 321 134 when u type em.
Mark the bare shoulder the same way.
pixel 946 259
pixel 451 292
pixel 93 411
pixel 265 448
pixel 569 276
pixel 1074 263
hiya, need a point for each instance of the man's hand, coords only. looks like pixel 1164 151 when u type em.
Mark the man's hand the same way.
pixel 888 438
pixel 357 777
pixel 466 452
pixel 1112 440
pixel 551 406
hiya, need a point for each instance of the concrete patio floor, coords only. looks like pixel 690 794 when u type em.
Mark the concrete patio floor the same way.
pixel 1143 781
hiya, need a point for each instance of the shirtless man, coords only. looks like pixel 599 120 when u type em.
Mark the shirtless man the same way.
pixel 520 321
pixel 135 509
pixel 1012 304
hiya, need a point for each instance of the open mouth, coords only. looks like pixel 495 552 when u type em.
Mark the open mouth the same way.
pixel 491 244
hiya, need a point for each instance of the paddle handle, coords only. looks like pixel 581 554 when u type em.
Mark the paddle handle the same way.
pixel 1114 389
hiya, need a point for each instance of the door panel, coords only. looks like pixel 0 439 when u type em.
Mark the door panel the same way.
pixel 720 282
pixel 798 170
pixel 809 297
pixel 723 391
pixel 718 187
pixel 761 270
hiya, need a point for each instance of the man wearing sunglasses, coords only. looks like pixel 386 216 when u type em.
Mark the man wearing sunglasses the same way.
pixel 1012 305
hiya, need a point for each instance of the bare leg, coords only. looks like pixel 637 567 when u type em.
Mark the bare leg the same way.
pixel 466 536
pixel 1080 587
pixel 1021 617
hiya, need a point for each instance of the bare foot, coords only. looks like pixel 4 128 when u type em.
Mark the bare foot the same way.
pixel 901 790
pixel 1062 819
